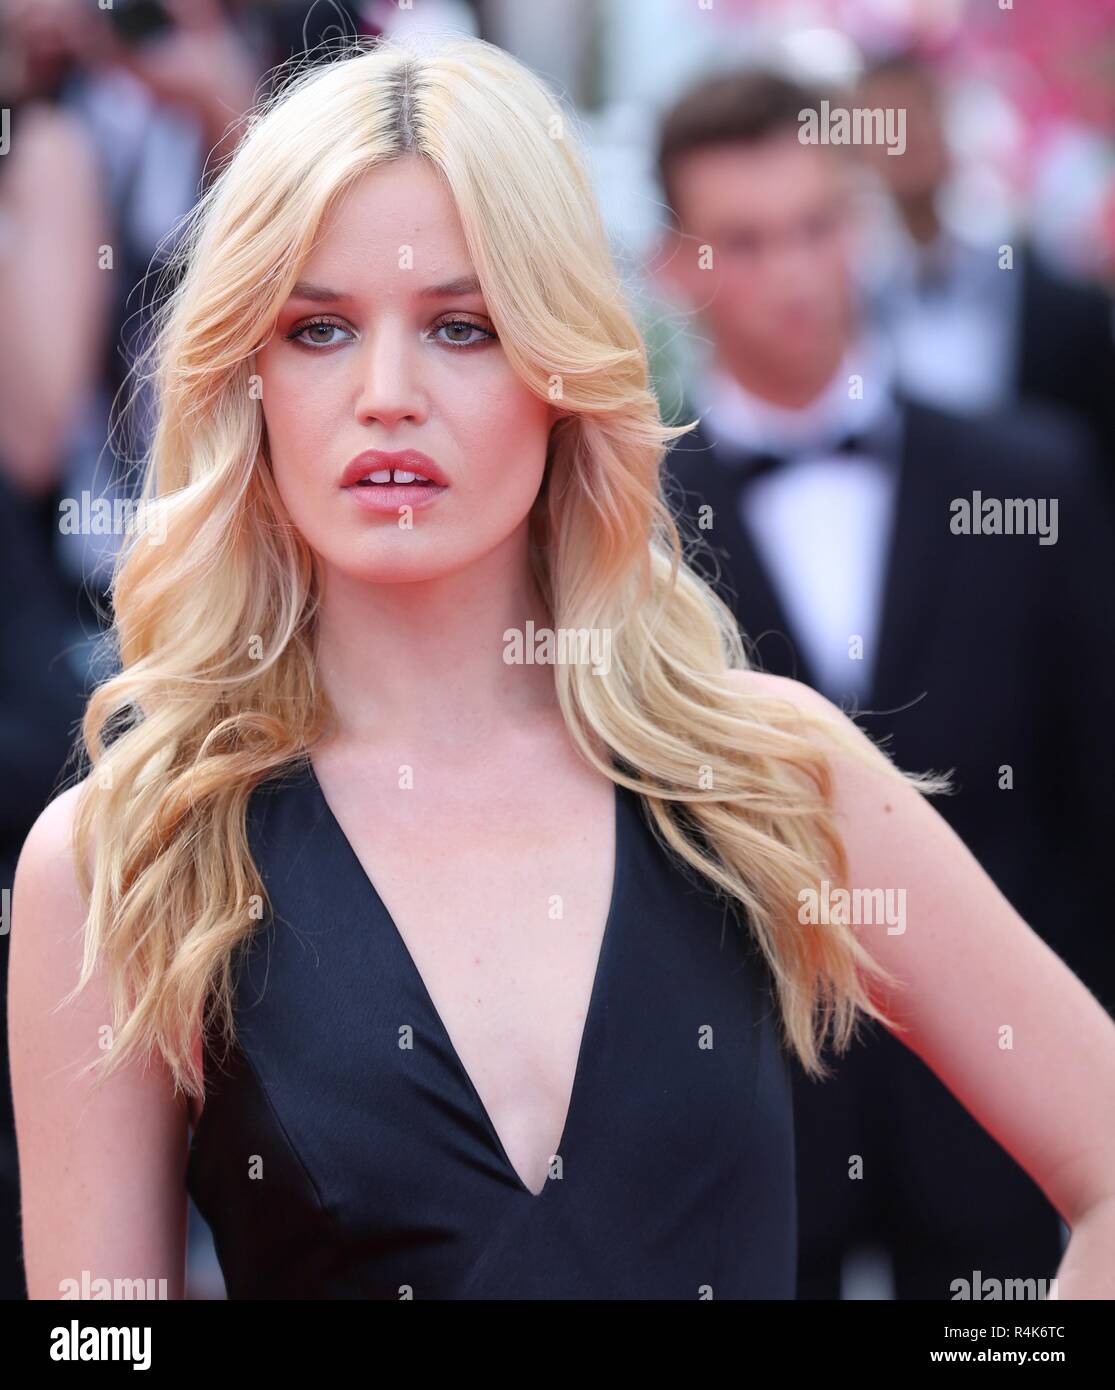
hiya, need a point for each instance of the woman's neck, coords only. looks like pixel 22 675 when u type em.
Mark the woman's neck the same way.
pixel 423 661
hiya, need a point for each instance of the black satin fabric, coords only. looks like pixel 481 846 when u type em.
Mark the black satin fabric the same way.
pixel 333 1162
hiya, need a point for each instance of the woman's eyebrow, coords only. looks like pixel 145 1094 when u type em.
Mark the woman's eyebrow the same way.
pixel 462 285
pixel 321 294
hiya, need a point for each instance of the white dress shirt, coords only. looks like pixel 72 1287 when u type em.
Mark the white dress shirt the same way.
pixel 821 523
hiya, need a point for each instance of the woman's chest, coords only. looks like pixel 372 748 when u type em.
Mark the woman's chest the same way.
pixel 495 918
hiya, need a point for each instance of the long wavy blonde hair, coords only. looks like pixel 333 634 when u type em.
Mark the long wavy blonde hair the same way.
pixel 214 628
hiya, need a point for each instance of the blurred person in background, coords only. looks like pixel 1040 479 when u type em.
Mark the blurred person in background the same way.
pixel 830 494
pixel 158 90
pixel 54 304
pixel 975 328
pixel 52 220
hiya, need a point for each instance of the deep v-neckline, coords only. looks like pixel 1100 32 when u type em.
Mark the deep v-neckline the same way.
pixel 595 1004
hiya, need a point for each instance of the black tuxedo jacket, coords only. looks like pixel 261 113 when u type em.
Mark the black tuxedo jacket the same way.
pixel 995 653
pixel 1066 350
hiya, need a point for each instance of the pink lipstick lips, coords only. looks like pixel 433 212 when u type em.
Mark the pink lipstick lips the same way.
pixel 383 482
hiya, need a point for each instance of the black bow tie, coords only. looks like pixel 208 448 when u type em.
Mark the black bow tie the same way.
pixel 747 465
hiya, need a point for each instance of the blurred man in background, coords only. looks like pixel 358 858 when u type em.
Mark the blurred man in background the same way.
pixel 831 495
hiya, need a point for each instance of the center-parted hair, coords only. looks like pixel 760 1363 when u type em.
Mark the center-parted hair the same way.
pixel 216 686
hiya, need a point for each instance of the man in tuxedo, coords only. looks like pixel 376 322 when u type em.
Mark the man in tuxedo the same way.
pixel 831 511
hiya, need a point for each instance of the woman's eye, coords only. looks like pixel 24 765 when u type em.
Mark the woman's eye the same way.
pixel 467 325
pixel 317 326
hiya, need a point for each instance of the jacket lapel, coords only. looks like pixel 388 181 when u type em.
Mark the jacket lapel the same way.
pixel 727 557
pixel 916 568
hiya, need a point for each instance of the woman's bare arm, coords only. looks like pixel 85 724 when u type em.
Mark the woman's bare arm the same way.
pixel 102 1173
pixel 988 1006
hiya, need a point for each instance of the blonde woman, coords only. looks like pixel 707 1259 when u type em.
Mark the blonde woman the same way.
pixel 440 863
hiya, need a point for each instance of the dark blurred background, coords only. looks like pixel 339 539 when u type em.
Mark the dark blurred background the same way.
pixel 963 281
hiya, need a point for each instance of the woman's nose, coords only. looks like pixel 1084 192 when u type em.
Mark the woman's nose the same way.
pixel 390 387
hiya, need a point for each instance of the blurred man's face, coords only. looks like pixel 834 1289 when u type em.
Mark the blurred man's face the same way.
pixel 773 220
pixel 920 169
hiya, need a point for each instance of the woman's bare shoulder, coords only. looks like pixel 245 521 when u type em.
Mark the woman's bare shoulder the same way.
pixel 761 684
pixel 862 773
pixel 51 835
pixel 48 848
pixel 48 914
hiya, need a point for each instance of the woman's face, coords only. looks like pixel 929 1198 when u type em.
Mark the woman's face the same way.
pixel 384 346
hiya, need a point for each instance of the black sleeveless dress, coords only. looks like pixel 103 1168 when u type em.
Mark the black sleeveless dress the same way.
pixel 332 1160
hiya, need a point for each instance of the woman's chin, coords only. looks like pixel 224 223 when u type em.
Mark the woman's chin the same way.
pixel 384 568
